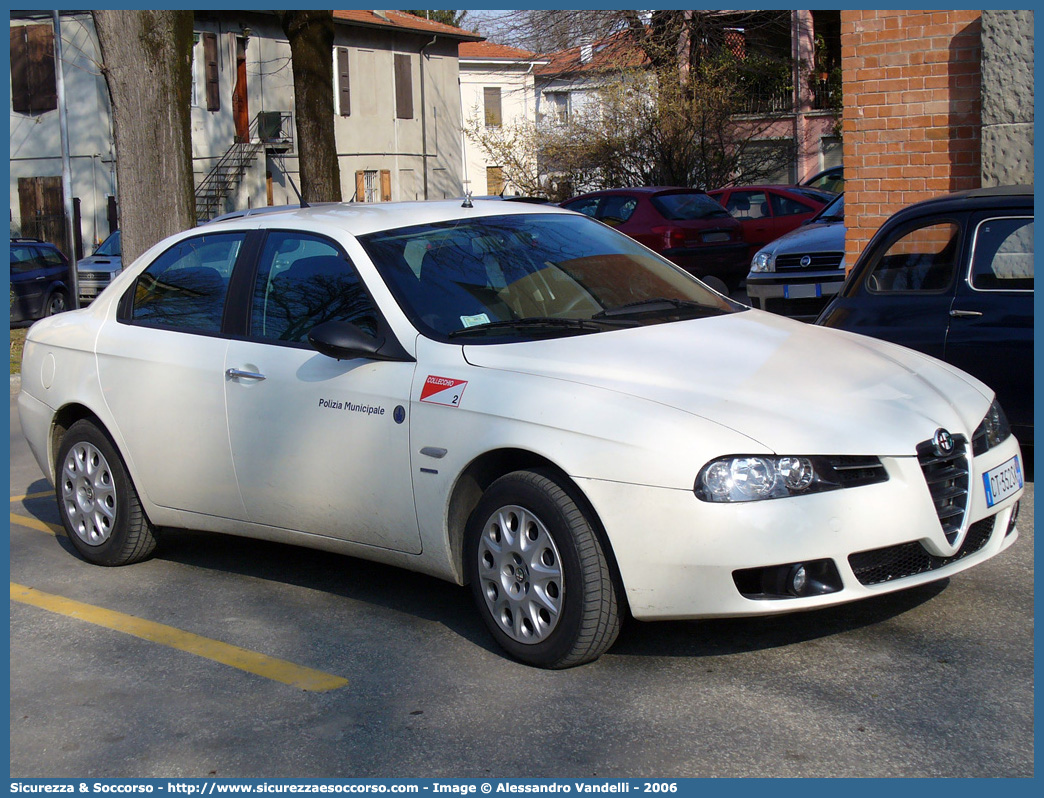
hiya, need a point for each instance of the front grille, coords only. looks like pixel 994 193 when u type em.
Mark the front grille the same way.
pixel 908 559
pixel 811 306
pixel 947 478
pixel 818 260
pixel 854 472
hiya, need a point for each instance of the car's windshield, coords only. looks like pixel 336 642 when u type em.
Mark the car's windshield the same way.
pixel 834 212
pixel 525 276
pixel 110 246
pixel 688 205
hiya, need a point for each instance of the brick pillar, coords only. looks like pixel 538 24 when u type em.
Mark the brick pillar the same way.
pixel 912 115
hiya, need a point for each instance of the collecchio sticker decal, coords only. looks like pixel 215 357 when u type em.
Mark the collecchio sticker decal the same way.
pixel 443 391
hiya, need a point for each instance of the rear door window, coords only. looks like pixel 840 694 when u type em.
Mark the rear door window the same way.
pixel 1002 255
pixel 185 287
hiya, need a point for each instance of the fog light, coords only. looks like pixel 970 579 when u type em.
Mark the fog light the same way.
pixel 798 580
pixel 1011 521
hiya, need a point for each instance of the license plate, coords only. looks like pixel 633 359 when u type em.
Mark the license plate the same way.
pixel 711 238
pixel 802 291
pixel 1002 481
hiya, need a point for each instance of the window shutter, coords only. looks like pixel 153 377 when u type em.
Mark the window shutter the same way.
pixel 19 70
pixel 385 185
pixel 33 85
pixel 210 60
pixel 403 86
pixel 491 100
pixel 343 88
pixel 360 186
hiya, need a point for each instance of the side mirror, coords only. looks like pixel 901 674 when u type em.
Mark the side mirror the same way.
pixel 343 340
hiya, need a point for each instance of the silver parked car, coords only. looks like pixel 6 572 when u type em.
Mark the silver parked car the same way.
pixel 95 272
pixel 797 274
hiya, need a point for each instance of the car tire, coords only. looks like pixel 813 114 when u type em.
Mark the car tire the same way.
pixel 56 303
pixel 98 504
pixel 538 572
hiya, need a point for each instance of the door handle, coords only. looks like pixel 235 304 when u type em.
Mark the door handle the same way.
pixel 234 374
pixel 965 314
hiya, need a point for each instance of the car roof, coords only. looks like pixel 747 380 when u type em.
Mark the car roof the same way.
pixel 644 190
pixel 361 218
pixel 974 199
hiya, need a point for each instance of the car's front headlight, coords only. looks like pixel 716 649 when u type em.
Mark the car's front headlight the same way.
pixel 747 478
pixel 993 430
pixel 762 262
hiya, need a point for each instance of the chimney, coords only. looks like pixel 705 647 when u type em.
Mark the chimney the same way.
pixel 383 15
pixel 586 53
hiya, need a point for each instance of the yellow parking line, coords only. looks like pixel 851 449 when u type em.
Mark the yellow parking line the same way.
pixel 38 525
pixel 250 661
pixel 39 495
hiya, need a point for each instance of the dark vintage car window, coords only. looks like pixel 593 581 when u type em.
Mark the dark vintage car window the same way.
pixel 185 287
pixel 302 281
pixel 556 272
pixel 922 259
pixel 1002 257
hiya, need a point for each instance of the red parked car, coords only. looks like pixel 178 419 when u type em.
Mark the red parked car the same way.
pixel 683 224
pixel 767 212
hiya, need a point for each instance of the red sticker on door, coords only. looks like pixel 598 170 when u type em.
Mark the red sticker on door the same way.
pixel 443 391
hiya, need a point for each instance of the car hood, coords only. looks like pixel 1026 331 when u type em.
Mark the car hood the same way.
pixel 99 263
pixel 791 387
pixel 825 237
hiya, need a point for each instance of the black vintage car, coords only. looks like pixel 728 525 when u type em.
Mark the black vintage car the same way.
pixel 39 275
pixel 953 277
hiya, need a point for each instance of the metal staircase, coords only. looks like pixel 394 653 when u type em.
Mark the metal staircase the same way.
pixel 271 130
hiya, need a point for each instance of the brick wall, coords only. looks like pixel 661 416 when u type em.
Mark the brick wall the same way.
pixel 912 114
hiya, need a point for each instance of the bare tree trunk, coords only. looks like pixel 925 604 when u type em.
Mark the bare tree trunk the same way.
pixel 311 35
pixel 147 62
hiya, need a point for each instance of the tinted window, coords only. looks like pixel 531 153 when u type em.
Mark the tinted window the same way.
pixel 51 256
pixel 303 281
pixel 23 259
pixel 687 206
pixel 786 206
pixel 587 206
pixel 185 287
pixel 1003 255
pixel 748 204
pixel 922 259
pixel 617 209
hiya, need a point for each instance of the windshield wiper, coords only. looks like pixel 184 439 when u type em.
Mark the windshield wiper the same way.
pixel 549 324
pixel 660 305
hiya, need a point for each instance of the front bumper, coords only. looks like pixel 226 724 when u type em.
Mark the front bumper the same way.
pixel 678 556
pixel 90 288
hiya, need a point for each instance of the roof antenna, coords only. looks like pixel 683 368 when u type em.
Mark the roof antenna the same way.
pixel 467 200
pixel 290 180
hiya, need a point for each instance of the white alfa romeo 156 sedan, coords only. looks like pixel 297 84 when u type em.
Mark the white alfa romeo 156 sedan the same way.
pixel 515 398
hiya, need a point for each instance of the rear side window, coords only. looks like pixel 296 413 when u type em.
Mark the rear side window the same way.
pixel 303 281
pixel 787 206
pixel 587 206
pixel 1002 258
pixel 617 209
pixel 185 287
pixel 922 259
pixel 23 259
